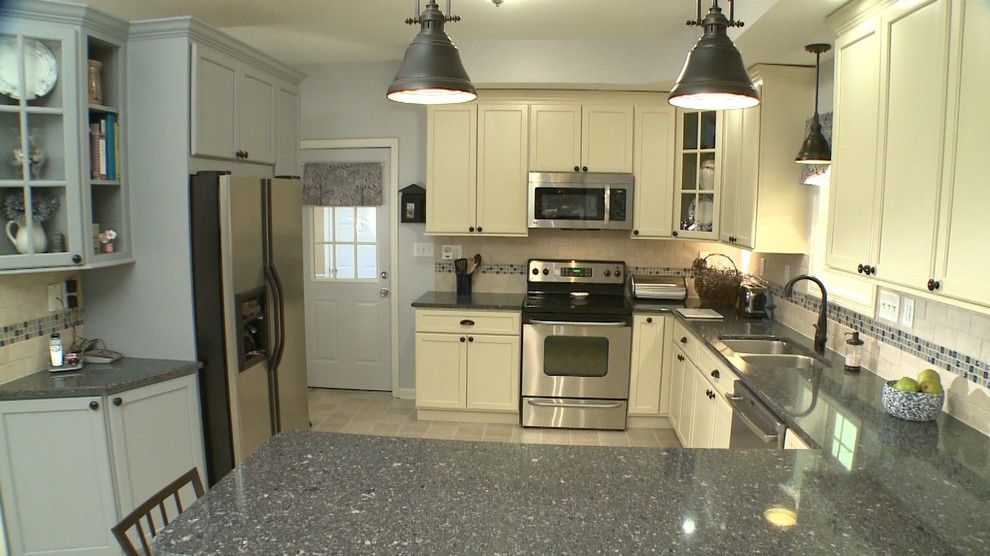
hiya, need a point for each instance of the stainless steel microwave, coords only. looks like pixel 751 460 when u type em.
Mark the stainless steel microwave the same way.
pixel 580 200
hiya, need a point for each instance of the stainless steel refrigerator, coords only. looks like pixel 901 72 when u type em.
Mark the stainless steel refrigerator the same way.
pixel 247 251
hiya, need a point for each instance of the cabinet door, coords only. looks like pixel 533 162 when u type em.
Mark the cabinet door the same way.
pixel 967 196
pixel 214 94
pixel 555 138
pixel 732 160
pixel 607 138
pixel 703 420
pixel 653 168
pixel 722 428
pixel 156 434
pixel 698 174
pixel 451 162
pixel 647 362
pixel 441 371
pixel 744 207
pixel 493 373
pixel 255 115
pixel 55 477
pixel 915 46
pixel 853 200
pixel 286 132
pixel 503 150
pixel 677 365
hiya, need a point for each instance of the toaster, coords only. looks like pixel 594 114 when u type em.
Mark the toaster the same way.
pixel 752 300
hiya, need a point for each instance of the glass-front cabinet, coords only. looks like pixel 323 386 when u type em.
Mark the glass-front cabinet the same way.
pixel 50 201
pixel 698 180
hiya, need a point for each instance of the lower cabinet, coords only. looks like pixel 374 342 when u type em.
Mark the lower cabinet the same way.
pixel 647 365
pixel 701 415
pixel 70 468
pixel 464 370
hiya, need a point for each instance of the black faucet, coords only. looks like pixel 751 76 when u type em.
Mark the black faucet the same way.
pixel 821 329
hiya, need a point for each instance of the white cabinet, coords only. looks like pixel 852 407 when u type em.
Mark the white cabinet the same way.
pixel 653 169
pixel 588 137
pixel 794 442
pixel 698 174
pixel 722 428
pixel 287 131
pixel 678 366
pixel 467 360
pixel 503 149
pixel 70 468
pixel 451 169
pixel 647 364
pixel 56 480
pixel 703 420
pixel 237 109
pixel 763 206
pixel 854 195
pixel 701 415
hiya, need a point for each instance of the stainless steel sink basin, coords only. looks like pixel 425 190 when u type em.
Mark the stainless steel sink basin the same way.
pixel 778 361
pixel 760 346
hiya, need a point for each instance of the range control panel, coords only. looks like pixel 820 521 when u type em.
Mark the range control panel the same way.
pixel 572 271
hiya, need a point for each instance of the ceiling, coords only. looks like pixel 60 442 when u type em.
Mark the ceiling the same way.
pixel 620 42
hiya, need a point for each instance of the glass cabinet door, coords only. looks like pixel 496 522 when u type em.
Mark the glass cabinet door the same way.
pixel 698 175
pixel 39 151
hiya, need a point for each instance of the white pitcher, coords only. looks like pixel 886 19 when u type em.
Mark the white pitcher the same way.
pixel 20 238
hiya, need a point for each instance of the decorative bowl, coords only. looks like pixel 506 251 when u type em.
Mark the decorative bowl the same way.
pixel 911 406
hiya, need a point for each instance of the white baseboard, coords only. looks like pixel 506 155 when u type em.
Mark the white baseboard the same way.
pixel 404 393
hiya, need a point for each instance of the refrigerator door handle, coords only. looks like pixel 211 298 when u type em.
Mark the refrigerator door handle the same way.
pixel 280 309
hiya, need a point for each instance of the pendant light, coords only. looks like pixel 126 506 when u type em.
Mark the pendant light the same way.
pixel 815 149
pixel 431 71
pixel 714 76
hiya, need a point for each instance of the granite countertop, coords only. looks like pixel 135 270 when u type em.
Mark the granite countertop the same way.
pixel 320 493
pixel 478 301
pixel 96 380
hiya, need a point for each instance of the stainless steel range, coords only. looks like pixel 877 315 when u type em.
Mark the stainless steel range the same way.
pixel 577 337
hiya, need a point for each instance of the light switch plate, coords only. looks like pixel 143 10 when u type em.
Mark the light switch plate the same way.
pixel 56 297
pixel 450 252
pixel 907 312
pixel 888 306
pixel 423 250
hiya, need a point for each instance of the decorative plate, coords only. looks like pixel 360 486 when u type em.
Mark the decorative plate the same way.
pixel 40 69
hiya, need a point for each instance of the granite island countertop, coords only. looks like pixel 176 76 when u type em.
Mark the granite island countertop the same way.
pixel 96 380
pixel 476 301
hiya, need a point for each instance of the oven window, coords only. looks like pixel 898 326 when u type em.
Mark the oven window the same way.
pixel 561 203
pixel 578 356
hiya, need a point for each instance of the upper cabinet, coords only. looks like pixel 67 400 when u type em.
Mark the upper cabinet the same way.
pixel 764 206
pixel 653 170
pixel 924 125
pixel 581 137
pixel 502 155
pixel 451 169
pixel 62 127
pixel 240 111
pixel 698 174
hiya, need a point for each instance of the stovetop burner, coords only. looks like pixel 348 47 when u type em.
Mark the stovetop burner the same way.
pixel 558 287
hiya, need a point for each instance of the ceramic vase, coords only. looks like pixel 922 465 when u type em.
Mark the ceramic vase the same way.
pixel 20 234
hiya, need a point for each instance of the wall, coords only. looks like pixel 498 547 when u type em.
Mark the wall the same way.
pixel 346 101
pixel 25 323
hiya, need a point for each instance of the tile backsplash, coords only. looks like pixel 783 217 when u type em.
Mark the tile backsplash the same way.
pixel 26 323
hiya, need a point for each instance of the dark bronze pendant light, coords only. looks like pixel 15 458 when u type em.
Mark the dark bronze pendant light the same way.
pixel 431 71
pixel 815 149
pixel 714 76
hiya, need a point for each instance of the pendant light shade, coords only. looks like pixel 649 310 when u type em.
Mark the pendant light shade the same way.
pixel 815 149
pixel 431 71
pixel 714 76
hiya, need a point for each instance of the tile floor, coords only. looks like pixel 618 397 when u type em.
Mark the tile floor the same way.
pixel 378 413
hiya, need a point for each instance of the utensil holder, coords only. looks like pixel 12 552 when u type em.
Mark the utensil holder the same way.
pixel 463 284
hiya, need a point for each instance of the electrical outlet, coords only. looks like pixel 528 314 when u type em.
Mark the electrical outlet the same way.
pixel 423 250
pixel 907 313
pixel 888 306
pixel 56 297
pixel 450 252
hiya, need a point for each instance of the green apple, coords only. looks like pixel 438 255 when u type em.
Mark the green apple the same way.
pixel 906 384
pixel 931 387
pixel 929 375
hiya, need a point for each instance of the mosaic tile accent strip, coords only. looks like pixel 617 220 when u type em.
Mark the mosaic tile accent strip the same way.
pixel 41 326
pixel 447 267
pixel 968 366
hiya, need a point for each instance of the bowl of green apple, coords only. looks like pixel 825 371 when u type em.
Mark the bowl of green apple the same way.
pixel 919 399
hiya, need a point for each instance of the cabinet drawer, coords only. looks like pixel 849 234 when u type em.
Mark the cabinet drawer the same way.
pixel 456 321
pixel 716 371
pixel 687 341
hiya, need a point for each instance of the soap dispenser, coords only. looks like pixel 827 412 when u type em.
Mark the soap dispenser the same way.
pixel 854 351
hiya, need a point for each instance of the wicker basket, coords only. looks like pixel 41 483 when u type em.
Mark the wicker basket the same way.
pixel 717 286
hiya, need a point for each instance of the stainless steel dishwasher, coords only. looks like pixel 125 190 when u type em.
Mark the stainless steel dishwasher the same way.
pixel 753 424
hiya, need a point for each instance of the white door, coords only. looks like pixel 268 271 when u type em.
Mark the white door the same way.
pixel 347 285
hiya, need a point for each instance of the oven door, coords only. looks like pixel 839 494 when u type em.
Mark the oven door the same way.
pixel 576 359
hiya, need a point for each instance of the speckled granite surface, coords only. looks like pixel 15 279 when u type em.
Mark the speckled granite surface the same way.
pixel 96 380
pixel 324 493
pixel 478 301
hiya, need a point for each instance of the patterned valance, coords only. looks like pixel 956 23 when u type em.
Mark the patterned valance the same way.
pixel 343 184
pixel 814 174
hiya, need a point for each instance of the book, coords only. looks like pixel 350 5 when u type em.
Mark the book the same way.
pixel 110 148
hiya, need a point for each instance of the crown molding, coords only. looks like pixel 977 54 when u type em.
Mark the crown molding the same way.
pixel 54 11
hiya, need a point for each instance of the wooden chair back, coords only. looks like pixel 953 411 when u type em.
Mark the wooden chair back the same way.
pixel 146 512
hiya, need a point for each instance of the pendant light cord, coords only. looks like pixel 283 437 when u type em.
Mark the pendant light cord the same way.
pixel 818 66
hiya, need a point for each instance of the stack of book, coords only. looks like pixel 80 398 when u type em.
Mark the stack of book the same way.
pixel 104 147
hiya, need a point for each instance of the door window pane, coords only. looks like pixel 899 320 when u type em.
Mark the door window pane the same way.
pixel 367 224
pixel 323 261
pixel 344 257
pixel 367 261
pixel 345 243
pixel 343 228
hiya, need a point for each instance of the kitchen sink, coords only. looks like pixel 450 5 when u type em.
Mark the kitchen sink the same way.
pixel 778 361
pixel 766 346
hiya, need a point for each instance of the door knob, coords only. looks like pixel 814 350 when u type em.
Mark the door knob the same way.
pixel 383 275
pixel 383 292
